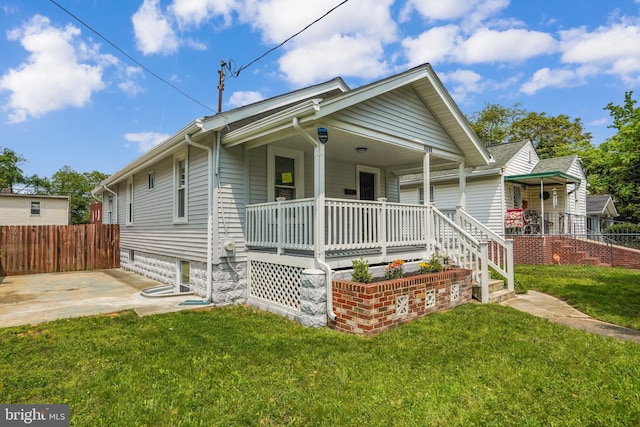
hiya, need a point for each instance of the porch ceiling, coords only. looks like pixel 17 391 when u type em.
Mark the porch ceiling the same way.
pixel 343 146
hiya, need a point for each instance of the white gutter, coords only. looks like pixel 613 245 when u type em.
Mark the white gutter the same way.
pixel 189 141
pixel 319 189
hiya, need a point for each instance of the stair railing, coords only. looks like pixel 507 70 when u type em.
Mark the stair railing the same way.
pixel 499 249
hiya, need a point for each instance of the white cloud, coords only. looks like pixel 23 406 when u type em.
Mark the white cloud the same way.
pixel 461 83
pixel 347 42
pixel 278 20
pixel 338 56
pixel 129 85
pixel 600 122
pixel 616 49
pixel 546 77
pixel 194 12
pixel 53 77
pixel 447 44
pixel 242 98
pixel 469 12
pixel 434 45
pixel 514 45
pixel 146 140
pixel 153 30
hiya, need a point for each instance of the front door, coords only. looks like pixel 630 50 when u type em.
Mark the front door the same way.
pixel 367 186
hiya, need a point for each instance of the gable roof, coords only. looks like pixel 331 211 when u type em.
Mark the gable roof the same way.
pixel 601 204
pixel 313 103
pixel 555 170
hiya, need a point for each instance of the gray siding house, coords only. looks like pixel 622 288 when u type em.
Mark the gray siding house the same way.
pixel 236 206
pixel 549 191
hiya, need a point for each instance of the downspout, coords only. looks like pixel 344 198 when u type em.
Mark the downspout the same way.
pixel 115 197
pixel 209 290
pixel 319 187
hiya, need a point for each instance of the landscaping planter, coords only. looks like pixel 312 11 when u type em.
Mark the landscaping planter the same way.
pixel 370 308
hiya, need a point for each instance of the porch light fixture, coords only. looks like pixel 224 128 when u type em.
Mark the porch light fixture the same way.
pixel 361 149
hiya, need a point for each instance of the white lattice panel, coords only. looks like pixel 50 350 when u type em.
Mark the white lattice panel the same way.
pixel 278 284
pixel 455 292
pixel 402 305
pixel 430 298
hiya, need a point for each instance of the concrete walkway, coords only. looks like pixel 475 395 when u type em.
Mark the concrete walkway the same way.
pixel 556 310
pixel 37 298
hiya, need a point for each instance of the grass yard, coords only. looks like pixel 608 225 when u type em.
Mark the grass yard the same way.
pixel 608 294
pixel 474 365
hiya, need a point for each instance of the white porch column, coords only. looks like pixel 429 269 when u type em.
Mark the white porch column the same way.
pixel 426 192
pixel 319 184
pixel 462 184
pixel 426 178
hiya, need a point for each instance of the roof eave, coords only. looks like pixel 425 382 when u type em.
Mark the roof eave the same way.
pixel 542 175
pixel 151 156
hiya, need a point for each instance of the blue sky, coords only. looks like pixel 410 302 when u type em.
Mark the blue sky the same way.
pixel 67 97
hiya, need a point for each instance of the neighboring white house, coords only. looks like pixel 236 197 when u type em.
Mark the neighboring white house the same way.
pixel 517 185
pixel 237 205
pixel 31 209
pixel 601 212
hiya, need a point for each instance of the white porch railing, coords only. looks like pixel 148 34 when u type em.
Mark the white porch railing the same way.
pixel 281 225
pixel 362 225
pixel 349 225
pixel 499 249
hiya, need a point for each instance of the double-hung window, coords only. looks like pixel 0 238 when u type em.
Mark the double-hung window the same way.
pixel 285 173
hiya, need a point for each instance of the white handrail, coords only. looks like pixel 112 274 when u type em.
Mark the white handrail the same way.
pixel 499 249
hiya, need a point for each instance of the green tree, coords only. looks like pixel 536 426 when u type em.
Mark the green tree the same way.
pixel 10 172
pixel 552 136
pixel 493 123
pixel 77 186
pixel 12 177
pixel 615 167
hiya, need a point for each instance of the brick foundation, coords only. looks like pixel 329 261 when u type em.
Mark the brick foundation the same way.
pixel 367 309
pixel 540 250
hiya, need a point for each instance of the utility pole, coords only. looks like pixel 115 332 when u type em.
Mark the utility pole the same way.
pixel 221 85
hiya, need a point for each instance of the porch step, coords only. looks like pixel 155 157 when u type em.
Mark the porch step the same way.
pixel 497 292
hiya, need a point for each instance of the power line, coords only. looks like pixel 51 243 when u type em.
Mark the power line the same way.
pixel 244 67
pixel 135 61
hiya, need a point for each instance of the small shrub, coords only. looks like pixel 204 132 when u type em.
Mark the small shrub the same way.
pixel 361 273
pixel 394 270
pixel 432 265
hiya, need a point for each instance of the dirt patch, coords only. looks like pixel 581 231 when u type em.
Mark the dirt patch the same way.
pixel 12 298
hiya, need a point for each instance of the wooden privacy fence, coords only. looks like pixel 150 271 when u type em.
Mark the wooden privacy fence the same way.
pixel 26 249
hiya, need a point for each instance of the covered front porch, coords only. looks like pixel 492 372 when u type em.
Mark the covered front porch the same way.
pixel 549 203
pixel 322 184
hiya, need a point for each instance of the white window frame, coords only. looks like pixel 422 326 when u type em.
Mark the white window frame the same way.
pixel 177 186
pixel 298 158
pixel 39 208
pixel 376 173
pixel 130 196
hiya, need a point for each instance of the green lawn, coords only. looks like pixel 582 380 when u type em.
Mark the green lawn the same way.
pixel 608 294
pixel 474 365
